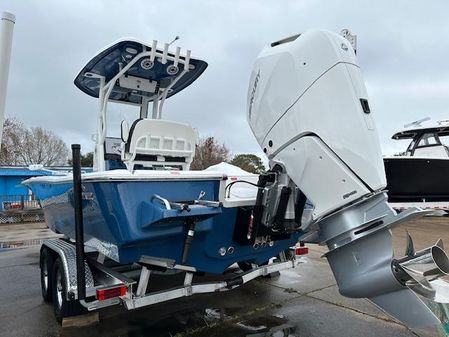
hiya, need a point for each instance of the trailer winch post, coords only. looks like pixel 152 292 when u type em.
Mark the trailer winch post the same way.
pixel 79 226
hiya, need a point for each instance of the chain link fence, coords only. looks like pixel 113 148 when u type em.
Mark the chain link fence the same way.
pixel 20 208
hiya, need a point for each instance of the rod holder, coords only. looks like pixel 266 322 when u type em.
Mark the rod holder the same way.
pixel 79 226
pixel 190 222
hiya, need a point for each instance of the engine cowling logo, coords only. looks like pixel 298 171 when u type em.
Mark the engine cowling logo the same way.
pixel 253 94
pixel 347 195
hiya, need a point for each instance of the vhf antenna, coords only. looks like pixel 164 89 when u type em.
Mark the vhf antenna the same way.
pixel 175 39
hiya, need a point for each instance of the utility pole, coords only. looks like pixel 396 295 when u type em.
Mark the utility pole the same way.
pixel 7 21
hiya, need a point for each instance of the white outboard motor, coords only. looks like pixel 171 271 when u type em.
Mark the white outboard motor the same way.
pixel 308 101
pixel 309 110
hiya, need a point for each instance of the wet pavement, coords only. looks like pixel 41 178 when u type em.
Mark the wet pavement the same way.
pixel 301 302
pixel 24 234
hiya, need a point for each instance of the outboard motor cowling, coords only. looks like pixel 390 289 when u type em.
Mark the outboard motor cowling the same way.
pixel 308 108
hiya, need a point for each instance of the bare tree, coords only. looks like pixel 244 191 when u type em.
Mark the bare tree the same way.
pixel 23 146
pixel 11 130
pixel 209 152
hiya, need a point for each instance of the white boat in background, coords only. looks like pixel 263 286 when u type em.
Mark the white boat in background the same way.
pixel 420 174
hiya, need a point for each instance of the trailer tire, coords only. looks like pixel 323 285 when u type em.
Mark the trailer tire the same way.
pixel 46 266
pixel 63 307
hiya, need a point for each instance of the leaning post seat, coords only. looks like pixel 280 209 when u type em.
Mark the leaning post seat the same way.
pixel 156 143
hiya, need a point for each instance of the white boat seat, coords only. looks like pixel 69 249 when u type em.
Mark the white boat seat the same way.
pixel 158 143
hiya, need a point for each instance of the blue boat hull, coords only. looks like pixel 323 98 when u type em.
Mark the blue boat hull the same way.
pixel 122 221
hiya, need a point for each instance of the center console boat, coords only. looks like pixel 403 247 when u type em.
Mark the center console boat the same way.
pixel 142 200
pixel 144 210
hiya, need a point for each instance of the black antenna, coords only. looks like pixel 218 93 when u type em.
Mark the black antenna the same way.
pixel 175 39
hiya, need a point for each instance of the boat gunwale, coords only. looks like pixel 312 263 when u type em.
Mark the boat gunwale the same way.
pixel 111 177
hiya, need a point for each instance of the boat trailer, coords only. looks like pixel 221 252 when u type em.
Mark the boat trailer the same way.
pixel 108 283
pixel 77 278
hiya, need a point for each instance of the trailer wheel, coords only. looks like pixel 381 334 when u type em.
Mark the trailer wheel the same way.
pixel 46 265
pixel 63 307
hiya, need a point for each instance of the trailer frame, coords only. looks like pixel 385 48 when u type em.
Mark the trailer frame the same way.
pixel 128 283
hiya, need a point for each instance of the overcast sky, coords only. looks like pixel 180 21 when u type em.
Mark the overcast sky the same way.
pixel 403 49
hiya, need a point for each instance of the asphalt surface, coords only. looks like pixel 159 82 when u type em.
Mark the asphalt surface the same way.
pixel 301 302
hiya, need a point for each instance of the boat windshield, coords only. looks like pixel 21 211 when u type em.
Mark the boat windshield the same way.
pixel 428 139
pixel 444 140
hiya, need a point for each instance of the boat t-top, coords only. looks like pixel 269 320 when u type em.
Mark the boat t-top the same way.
pixel 419 173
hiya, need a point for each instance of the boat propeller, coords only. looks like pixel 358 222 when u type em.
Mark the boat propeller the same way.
pixel 361 258
pixel 420 271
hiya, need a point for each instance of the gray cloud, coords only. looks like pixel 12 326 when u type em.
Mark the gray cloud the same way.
pixel 402 50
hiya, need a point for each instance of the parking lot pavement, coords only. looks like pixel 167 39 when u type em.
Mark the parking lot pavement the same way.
pixel 301 302
pixel 24 234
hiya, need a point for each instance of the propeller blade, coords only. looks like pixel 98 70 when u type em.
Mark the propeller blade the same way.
pixel 440 244
pixel 410 250
pixel 429 293
pixel 441 291
pixel 417 278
